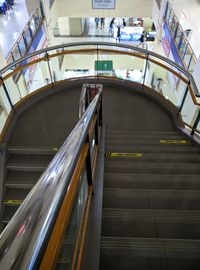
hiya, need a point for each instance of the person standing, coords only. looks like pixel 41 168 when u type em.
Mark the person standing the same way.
pixel 124 23
pixel 142 38
pixel 97 22
pixel 111 25
pixel 102 22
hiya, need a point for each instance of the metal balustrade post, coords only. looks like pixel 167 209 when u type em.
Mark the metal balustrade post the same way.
pixel 100 112
pixel 145 70
pixel 184 97
pixel 88 163
pixel 49 68
pixel 96 130
pixel 196 123
pixel 3 147
pixel 7 94
pixel 190 61
pixel 97 63
pixel 89 168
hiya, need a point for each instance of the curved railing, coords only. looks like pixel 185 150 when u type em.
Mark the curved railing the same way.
pixel 50 65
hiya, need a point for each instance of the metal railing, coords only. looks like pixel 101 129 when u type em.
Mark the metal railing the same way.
pixel 23 43
pixel 180 38
pixel 50 65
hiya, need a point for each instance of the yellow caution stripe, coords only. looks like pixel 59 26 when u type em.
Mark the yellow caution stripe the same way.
pixel 136 155
pixel 175 142
pixel 16 202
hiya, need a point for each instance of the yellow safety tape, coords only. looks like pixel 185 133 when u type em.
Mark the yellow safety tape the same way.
pixel 109 154
pixel 175 141
pixel 13 201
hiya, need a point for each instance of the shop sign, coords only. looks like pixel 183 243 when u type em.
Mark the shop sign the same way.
pixel 103 4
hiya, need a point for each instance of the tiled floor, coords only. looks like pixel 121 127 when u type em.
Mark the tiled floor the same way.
pixel 12 24
pixel 92 33
pixel 14 21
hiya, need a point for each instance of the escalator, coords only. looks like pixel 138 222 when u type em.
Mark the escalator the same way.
pixel 40 131
pixel 24 167
pixel 151 197
pixel 151 202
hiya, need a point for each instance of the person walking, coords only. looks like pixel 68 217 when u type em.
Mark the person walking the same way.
pixel 118 33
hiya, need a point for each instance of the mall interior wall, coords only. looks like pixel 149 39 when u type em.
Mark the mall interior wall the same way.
pixel 123 8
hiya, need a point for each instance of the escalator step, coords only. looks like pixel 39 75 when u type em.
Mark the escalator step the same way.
pixel 151 199
pixel 149 223
pixel 152 167
pixel 149 253
pixel 151 181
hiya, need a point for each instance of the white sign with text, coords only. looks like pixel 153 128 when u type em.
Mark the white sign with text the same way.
pixel 103 4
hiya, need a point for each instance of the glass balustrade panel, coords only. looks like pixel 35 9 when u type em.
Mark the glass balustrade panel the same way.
pixel 178 36
pixel 192 64
pixel 10 86
pixel 22 46
pixel 27 35
pixel 189 111
pixel 183 47
pixel 165 82
pixel 73 229
pixel 168 11
pixel 73 62
pixel 9 58
pixel 32 26
pixel 198 128
pixel 36 75
pixel 112 61
pixel 16 53
pixel 5 108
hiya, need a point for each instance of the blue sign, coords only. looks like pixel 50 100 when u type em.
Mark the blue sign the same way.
pixel 172 45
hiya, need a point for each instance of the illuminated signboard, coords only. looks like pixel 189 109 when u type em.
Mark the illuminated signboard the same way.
pixel 129 33
pixel 103 4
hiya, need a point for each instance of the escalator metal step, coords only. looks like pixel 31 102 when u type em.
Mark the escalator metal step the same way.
pixel 152 167
pixel 152 181
pixel 149 253
pixel 148 223
pixel 151 199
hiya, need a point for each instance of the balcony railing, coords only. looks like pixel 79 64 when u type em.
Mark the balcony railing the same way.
pixel 24 41
pixel 67 61
pixel 181 39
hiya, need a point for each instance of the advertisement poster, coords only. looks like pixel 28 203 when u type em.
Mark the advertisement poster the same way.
pixel 171 52
pixel 38 43
pixel 103 4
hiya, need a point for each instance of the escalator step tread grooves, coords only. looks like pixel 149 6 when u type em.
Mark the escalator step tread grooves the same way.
pixel 151 204
pixel 23 169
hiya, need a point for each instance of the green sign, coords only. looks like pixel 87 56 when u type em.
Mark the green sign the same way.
pixel 104 65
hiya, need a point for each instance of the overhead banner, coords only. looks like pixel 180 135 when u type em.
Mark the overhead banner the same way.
pixel 103 4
